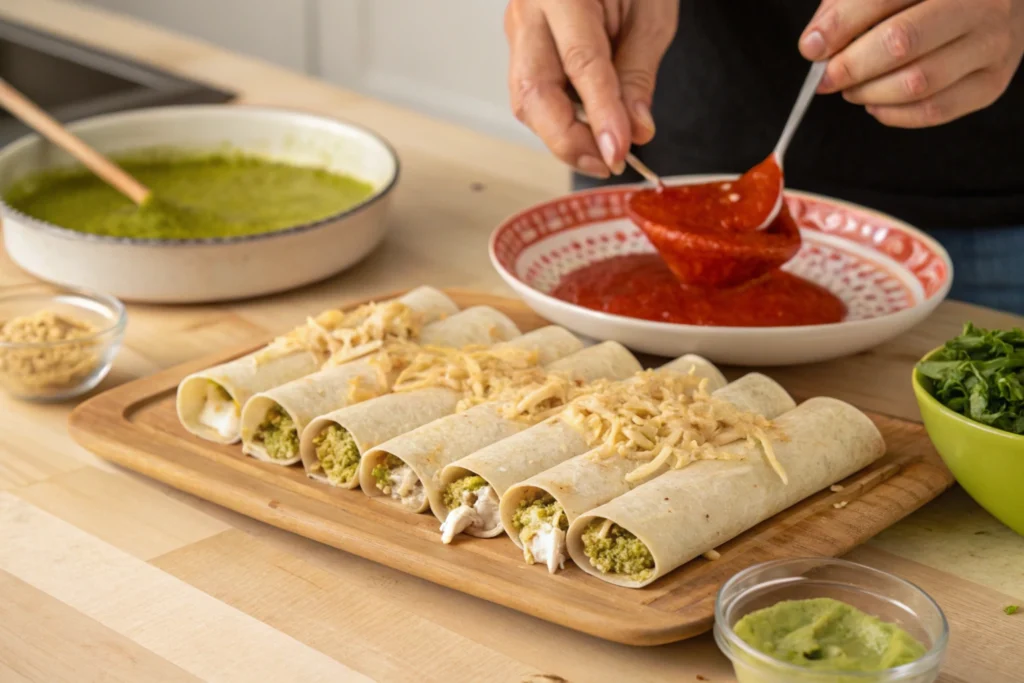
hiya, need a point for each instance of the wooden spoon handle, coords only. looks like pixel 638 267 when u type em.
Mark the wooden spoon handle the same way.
pixel 631 159
pixel 34 117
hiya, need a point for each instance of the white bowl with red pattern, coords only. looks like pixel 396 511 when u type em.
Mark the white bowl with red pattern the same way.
pixel 890 276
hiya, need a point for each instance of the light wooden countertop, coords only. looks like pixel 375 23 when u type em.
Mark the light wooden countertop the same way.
pixel 105 575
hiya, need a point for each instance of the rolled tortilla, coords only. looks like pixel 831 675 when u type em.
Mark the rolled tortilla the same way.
pixel 287 409
pixel 356 429
pixel 589 480
pixel 209 402
pixel 543 446
pixel 684 513
pixel 416 459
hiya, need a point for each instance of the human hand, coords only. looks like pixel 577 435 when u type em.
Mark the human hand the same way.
pixel 917 63
pixel 609 51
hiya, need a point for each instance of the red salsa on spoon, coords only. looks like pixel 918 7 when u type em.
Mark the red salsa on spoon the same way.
pixel 721 247
pixel 715 266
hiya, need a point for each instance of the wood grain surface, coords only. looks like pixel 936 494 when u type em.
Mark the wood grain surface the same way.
pixel 335 616
pixel 137 427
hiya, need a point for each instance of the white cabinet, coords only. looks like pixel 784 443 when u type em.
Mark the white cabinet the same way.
pixel 274 30
pixel 445 58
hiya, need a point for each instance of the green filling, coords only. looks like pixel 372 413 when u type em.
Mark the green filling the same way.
pixel 382 473
pixel 618 552
pixel 196 195
pixel 278 435
pixel 822 633
pixel 453 493
pixel 338 454
pixel 531 516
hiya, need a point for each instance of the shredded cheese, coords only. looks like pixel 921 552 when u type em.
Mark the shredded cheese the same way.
pixel 666 420
pixel 337 337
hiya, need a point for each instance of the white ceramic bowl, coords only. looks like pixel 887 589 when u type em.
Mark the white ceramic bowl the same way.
pixel 889 274
pixel 188 271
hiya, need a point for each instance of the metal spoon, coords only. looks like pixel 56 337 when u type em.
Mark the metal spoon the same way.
pixel 803 101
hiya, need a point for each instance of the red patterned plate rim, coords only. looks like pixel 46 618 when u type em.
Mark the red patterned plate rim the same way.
pixel 933 267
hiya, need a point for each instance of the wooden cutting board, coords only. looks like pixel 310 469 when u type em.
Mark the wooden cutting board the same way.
pixel 136 426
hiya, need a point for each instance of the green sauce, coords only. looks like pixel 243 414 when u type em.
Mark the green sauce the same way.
pixel 194 196
pixel 827 634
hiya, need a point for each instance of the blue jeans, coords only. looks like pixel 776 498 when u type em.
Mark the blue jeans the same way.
pixel 988 266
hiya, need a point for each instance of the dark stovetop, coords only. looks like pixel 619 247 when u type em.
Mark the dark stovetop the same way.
pixel 72 81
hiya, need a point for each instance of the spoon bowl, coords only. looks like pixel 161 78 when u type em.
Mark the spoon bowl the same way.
pixel 711 259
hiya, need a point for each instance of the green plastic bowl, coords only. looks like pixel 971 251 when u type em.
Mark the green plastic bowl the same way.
pixel 987 462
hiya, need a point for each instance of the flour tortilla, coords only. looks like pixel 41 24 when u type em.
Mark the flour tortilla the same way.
pixel 377 420
pixel 542 446
pixel 684 513
pixel 321 392
pixel 373 422
pixel 429 448
pixel 244 377
pixel 586 481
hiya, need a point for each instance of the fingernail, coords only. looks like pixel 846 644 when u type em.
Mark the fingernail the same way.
pixel 643 115
pixel 608 150
pixel 813 45
pixel 591 166
pixel 826 83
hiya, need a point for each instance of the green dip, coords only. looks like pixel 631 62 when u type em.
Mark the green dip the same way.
pixel 337 454
pixel 826 634
pixel 194 196
pixel 278 435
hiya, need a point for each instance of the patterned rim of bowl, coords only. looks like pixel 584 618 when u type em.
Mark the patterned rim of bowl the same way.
pixel 877 264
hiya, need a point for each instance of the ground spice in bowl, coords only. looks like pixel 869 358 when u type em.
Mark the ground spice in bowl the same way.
pixel 47 351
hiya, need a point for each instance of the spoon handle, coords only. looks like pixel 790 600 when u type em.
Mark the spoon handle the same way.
pixel 803 100
pixel 34 117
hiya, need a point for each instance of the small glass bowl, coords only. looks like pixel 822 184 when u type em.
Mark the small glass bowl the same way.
pixel 69 368
pixel 872 591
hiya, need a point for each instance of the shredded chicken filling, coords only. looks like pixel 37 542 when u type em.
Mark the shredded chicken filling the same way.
pixel 472 504
pixel 398 481
pixel 541 525
pixel 220 412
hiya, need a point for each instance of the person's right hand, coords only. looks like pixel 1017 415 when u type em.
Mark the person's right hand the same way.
pixel 609 51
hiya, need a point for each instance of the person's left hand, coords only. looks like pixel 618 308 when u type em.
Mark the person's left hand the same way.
pixel 917 63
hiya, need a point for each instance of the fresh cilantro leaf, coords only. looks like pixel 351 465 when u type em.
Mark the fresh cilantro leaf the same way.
pixel 980 374
pixel 1011 609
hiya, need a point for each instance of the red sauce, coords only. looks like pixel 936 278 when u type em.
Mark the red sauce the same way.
pixel 706 233
pixel 642 286
pixel 735 206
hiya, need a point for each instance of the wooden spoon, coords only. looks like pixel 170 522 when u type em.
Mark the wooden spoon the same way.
pixel 631 159
pixel 31 115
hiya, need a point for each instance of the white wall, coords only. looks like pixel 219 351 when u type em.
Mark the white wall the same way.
pixel 446 58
